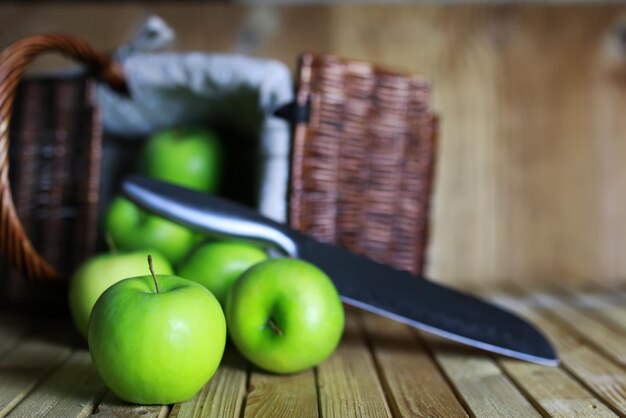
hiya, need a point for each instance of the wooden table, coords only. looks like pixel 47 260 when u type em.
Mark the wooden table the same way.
pixel 381 369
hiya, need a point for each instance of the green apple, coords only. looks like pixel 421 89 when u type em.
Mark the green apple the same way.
pixel 99 273
pixel 217 265
pixel 133 229
pixel 190 157
pixel 284 315
pixel 156 340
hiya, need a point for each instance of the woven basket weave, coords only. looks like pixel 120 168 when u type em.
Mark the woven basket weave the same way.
pixel 362 166
pixel 55 170
pixel 55 138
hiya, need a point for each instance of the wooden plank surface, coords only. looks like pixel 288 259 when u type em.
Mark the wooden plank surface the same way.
pixel 223 396
pixel 554 391
pixel 78 383
pixel 415 385
pixel 530 178
pixel 603 302
pixel 278 396
pixel 381 368
pixel 596 332
pixel 604 377
pixel 484 388
pixel 113 407
pixel 13 327
pixel 31 360
pixel 348 381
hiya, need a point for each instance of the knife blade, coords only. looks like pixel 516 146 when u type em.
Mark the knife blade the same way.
pixel 360 281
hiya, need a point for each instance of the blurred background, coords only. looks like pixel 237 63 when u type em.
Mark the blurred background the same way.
pixel 531 165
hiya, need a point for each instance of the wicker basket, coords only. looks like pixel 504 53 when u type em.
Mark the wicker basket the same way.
pixel 361 170
pixel 53 126
pixel 362 165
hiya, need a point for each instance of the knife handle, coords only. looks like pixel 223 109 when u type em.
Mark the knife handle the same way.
pixel 208 214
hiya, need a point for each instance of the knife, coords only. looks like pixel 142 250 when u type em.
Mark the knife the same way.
pixel 360 281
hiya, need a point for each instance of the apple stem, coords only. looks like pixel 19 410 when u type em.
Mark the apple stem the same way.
pixel 274 327
pixel 151 267
pixel 110 243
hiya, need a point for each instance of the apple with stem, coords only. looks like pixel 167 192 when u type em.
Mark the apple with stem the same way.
pixel 284 315
pixel 99 273
pixel 156 339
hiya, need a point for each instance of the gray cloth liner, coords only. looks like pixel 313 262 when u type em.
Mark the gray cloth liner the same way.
pixel 173 89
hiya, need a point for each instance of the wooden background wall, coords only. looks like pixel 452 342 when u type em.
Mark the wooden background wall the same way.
pixel 531 182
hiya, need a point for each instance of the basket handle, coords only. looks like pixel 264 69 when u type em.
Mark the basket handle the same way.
pixel 14 243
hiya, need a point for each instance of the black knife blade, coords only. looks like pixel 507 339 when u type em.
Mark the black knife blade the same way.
pixel 360 281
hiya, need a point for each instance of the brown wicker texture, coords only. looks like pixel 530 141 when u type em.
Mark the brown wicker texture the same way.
pixel 47 154
pixel 362 167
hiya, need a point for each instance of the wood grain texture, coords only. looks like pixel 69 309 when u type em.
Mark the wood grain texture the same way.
pixel 484 389
pixel 113 407
pixel 604 303
pixel 530 182
pixel 31 360
pixel 223 395
pixel 13 327
pixel 596 332
pixel 72 390
pixel 381 368
pixel 602 376
pixel 414 384
pixel 348 382
pixel 554 391
pixel 271 395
